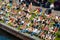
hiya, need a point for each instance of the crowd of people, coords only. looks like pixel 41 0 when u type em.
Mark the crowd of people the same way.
pixel 36 23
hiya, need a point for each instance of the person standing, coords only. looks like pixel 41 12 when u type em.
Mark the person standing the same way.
pixel 52 6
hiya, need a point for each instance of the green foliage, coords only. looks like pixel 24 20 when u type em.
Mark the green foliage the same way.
pixel 57 38
pixel 0 0
pixel 2 21
pixel 10 24
pixel 51 1
pixel 57 34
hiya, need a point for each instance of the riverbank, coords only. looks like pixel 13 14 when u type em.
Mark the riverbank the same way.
pixel 7 36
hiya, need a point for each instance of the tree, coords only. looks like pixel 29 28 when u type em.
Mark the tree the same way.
pixel 51 1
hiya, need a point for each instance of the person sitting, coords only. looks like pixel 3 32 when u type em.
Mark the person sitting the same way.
pixel 30 29
pixel 35 31
pixel 30 6
pixel 15 25
pixel 1 12
pixel 51 29
pixel 28 16
pixel 23 26
pixel 48 11
pixel 6 20
pixel 27 30
pixel 11 20
pixel 42 35
pixel 55 29
pixel 52 6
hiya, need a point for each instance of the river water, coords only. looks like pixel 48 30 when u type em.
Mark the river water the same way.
pixel 6 36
